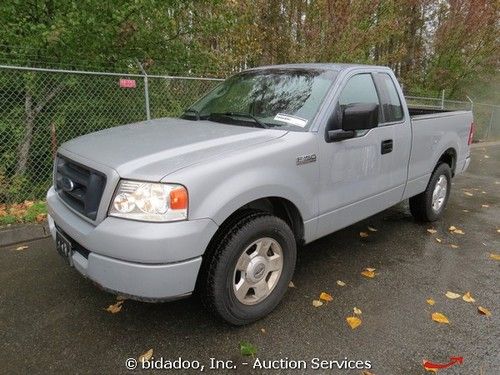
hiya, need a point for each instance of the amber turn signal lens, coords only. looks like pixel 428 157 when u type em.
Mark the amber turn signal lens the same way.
pixel 179 198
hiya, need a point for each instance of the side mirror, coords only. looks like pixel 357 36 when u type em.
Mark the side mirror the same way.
pixel 360 116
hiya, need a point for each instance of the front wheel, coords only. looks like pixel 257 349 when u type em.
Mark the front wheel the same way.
pixel 429 205
pixel 250 269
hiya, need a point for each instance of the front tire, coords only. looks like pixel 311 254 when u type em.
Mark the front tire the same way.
pixel 429 205
pixel 250 269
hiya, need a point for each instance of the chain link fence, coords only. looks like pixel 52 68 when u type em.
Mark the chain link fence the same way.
pixel 42 108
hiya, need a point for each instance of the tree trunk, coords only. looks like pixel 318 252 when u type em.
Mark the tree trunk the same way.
pixel 24 146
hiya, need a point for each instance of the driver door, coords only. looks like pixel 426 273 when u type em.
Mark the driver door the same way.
pixel 355 180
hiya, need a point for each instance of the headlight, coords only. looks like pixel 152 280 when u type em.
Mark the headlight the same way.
pixel 149 201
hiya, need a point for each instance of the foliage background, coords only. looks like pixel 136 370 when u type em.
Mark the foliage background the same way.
pixel 431 45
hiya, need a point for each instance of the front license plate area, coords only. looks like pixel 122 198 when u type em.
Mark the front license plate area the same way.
pixel 63 246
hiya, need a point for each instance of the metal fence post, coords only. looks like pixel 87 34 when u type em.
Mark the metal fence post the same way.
pixel 146 91
pixel 442 99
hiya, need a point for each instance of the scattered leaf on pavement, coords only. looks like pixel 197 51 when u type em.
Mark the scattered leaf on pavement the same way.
pixel 440 318
pixel 340 283
pixel 468 194
pixel 453 246
pixel 458 231
pixel 325 297
pixel 467 297
pixel 368 272
pixel 146 356
pixel 317 303
pixel 116 308
pixel 439 240
pixel 431 230
pixel 357 311
pixel 452 295
pixel 363 234
pixel 431 302
pixel 495 256
pixel 484 311
pixel 247 349
pixel 291 284
pixel 20 248
pixel 465 211
pixel 353 321
pixel 263 330
pixel 452 228
pixel 372 229
pixel 485 206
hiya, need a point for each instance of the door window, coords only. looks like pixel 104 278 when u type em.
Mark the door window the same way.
pixel 393 110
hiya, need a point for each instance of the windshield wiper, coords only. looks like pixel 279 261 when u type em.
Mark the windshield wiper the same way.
pixel 240 114
pixel 192 111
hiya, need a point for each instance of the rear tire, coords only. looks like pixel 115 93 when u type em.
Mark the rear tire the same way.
pixel 429 205
pixel 249 269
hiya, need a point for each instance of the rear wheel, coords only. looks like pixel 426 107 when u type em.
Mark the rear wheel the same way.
pixel 429 205
pixel 249 270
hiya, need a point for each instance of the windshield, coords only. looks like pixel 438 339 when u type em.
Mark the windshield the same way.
pixel 285 98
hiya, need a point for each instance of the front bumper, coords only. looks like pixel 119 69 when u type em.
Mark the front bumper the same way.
pixel 144 260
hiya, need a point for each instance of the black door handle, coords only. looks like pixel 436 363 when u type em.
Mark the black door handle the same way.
pixel 386 146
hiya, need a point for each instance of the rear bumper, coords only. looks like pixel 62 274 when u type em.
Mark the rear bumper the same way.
pixel 143 260
pixel 466 164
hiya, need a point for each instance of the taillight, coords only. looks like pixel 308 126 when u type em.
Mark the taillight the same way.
pixel 471 133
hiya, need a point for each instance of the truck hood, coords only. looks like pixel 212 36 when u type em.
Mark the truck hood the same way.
pixel 152 149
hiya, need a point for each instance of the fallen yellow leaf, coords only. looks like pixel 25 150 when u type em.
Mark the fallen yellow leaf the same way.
pixel 325 297
pixel 317 303
pixel 369 269
pixel 146 356
pixel 440 318
pixel 263 330
pixel 454 246
pixel 116 308
pixel 353 321
pixel 291 284
pixel 369 274
pixel 452 295
pixel 465 211
pixel 468 194
pixel 484 311
pixel 431 231
pixel 431 302
pixel 495 256
pixel 340 283
pixel 458 231
pixel 372 229
pixel 357 311
pixel 20 248
pixel 467 297
pixel 485 206
pixel 439 240
pixel 452 228
pixel 486 157
pixel 363 234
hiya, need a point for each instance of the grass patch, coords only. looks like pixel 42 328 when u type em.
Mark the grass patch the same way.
pixel 26 212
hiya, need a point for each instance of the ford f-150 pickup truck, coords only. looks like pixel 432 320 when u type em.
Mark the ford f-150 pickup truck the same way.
pixel 218 200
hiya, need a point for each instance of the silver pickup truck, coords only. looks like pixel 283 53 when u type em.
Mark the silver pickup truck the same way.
pixel 218 200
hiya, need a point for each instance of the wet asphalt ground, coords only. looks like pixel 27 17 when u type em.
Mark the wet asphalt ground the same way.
pixel 53 320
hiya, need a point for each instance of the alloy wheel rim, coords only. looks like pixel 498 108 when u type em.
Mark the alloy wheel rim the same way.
pixel 258 271
pixel 439 193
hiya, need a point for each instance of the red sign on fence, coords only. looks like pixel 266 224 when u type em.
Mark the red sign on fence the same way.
pixel 127 83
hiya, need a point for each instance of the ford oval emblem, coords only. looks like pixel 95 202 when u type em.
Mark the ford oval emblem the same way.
pixel 67 184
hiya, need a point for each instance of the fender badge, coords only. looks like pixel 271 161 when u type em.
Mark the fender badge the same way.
pixel 304 159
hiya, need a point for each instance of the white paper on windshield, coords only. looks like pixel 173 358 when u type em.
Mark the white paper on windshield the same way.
pixel 294 120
